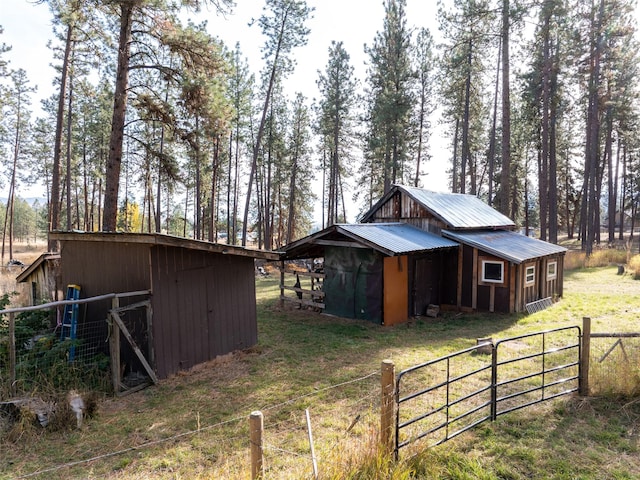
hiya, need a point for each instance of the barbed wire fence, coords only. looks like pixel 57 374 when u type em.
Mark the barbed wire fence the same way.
pixel 343 429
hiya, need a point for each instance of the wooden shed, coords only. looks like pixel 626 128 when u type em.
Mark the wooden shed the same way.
pixel 384 273
pixel 40 277
pixel 202 295
pixel 497 268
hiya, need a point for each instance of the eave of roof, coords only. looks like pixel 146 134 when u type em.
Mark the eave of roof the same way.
pixel 161 239
pixel 395 238
pixel 32 268
pixel 391 239
pixel 511 246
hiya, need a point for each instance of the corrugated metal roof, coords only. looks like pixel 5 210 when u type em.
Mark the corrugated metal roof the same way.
pixel 395 238
pixel 458 210
pixel 505 244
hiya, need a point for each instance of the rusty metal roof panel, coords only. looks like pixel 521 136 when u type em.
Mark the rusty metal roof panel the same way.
pixel 395 238
pixel 512 246
pixel 459 211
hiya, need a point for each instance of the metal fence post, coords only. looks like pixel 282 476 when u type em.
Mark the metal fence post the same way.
pixel 585 353
pixel 256 428
pixel 12 353
pixel 494 382
pixel 387 406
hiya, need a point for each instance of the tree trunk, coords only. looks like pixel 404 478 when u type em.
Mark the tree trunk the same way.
pixel 553 154
pixel 505 175
pixel 543 170
pixel 265 108
pixel 54 201
pixel 69 142
pixel 491 154
pixel 112 176
pixel 466 121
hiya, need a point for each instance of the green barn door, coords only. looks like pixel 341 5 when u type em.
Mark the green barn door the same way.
pixel 353 283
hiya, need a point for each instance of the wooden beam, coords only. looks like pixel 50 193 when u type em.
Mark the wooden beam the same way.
pixel 313 293
pixel 340 243
pixel 114 349
pixel 133 344
pixel 304 273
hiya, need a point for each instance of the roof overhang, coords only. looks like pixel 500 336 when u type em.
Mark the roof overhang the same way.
pixel 34 266
pixel 160 239
pixel 511 246
pixel 390 239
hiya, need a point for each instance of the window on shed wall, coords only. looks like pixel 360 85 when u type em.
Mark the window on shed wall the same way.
pixel 552 270
pixel 492 272
pixel 530 275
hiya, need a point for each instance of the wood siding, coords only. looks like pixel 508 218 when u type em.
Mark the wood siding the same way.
pixel 203 306
pixel 203 302
pixel 402 208
pixel 102 268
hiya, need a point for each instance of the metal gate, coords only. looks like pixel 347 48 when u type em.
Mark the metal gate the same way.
pixel 442 398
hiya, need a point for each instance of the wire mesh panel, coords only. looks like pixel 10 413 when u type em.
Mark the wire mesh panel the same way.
pixel 46 362
pixel 615 364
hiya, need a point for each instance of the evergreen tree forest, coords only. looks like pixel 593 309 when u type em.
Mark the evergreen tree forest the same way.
pixel 158 126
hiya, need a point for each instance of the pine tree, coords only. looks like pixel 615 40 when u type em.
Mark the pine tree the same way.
pixel 390 79
pixel 283 25
pixel 467 37
pixel 130 11
pixel 425 69
pixel 17 124
pixel 335 125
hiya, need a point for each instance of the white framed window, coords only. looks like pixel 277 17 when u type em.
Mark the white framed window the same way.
pixel 492 271
pixel 552 270
pixel 530 275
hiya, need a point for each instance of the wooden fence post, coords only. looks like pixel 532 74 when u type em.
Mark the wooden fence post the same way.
pixel 256 428
pixel 12 353
pixel 281 283
pixel 388 384
pixel 114 348
pixel 586 353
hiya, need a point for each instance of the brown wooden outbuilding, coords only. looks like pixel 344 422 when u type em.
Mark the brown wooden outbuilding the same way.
pixel 498 269
pixel 202 298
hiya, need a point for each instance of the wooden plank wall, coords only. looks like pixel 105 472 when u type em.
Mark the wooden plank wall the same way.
pixel 100 268
pixel 203 306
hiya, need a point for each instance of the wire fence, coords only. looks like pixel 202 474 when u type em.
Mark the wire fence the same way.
pixel 37 354
pixel 343 429
pixel 615 364
pixel 47 362
pixel 344 418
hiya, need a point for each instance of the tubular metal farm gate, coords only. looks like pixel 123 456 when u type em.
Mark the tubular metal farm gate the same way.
pixel 442 398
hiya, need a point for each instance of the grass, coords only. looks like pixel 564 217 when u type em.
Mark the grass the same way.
pixel 195 424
